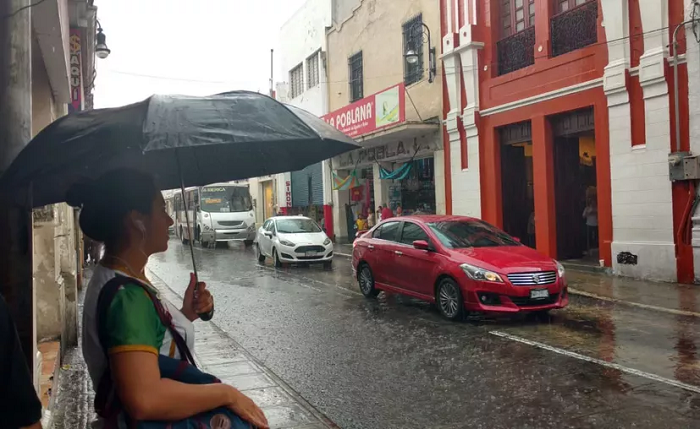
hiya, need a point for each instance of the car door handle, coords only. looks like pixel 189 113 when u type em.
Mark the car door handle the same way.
pixel 370 247
pixel 398 252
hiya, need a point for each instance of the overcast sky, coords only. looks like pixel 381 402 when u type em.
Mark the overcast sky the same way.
pixel 187 47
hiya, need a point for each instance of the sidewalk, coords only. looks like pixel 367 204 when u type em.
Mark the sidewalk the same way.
pixel 673 298
pixel 215 352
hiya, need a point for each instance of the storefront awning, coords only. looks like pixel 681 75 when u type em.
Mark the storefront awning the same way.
pixel 407 132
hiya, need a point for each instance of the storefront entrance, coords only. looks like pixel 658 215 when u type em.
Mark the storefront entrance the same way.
pixel 268 200
pixel 416 193
pixel 575 186
pixel 517 182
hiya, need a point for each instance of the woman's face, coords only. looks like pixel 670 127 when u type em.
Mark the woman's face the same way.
pixel 158 223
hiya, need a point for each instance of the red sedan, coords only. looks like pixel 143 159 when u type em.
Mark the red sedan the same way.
pixel 460 263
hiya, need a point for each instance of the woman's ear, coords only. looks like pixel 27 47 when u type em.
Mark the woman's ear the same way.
pixel 138 223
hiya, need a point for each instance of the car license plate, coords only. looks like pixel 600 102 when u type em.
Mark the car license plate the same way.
pixel 539 294
pixel 310 253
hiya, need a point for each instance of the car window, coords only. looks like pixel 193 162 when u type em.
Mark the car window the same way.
pixel 297 226
pixel 389 231
pixel 270 226
pixel 412 232
pixel 472 233
pixel 266 224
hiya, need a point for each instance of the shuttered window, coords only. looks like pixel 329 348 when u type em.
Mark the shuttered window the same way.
pixel 296 81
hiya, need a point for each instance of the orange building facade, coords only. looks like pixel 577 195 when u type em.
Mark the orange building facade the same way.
pixel 558 124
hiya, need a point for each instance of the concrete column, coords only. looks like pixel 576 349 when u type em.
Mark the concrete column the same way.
pixel 47 282
pixel 340 198
pixel 381 187
pixel 67 274
pixel 16 220
pixel 439 162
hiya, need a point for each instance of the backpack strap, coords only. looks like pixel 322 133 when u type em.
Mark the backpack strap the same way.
pixel 107 403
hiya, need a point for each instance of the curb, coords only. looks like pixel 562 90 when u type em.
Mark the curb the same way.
pixel 320 417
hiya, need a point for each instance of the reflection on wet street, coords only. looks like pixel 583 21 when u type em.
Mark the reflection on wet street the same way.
pixel 394 362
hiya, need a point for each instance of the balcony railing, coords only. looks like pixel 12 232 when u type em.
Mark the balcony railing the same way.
pixel 517 51
pixel 575 28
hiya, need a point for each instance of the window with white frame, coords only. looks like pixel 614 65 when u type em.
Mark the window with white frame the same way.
pixel 312 71
pixel 296 81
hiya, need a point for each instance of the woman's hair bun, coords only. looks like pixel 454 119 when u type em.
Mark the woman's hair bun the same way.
pixel 79 194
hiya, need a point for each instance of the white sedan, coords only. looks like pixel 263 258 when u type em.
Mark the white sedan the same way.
pixel 293 240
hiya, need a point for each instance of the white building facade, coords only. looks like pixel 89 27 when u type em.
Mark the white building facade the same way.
pixel 302 56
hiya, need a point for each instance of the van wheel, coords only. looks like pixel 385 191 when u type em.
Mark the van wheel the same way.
pixel 182 236
pixel 261 257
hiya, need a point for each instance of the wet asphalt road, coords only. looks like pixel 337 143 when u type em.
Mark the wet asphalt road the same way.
pixel 394 362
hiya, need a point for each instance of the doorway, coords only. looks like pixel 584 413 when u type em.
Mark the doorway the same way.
pixel 517 182
pixel 575 187
pixel 268 203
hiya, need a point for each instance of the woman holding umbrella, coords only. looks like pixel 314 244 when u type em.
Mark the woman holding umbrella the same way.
pixel 126 212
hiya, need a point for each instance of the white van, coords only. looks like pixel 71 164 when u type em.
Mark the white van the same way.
pixel 218 213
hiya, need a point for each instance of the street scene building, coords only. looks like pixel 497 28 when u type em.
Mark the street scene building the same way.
pixel 519 217
pixel 555 108
pixel 390 103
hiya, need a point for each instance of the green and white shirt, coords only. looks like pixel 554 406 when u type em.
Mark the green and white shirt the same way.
pixel 131 322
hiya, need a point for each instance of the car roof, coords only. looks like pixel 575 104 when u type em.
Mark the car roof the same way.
pixel 290 217
pixel 433 218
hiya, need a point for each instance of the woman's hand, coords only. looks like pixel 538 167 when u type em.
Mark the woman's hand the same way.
pixel 246 409
pixel 204 303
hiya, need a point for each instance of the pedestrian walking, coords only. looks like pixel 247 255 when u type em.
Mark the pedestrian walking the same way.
pixel 19 405
pixel 129 335
pixel 371 219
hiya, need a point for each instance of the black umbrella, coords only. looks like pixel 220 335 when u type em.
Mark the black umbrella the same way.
pixel 183 141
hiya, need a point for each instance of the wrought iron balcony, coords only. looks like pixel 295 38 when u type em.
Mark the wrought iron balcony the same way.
pixel 575 29
pixel 517 51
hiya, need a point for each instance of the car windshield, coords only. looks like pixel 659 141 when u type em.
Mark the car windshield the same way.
pixel 297 226
pixel 463 234
pixel 225 199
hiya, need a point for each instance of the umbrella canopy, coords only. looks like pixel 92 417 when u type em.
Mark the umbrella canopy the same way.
pixel 199 140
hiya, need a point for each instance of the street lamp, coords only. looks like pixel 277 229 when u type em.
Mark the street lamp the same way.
pixel 423 31
pixel 101 49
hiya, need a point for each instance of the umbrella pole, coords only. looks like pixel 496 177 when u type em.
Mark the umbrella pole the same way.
pixel 204 316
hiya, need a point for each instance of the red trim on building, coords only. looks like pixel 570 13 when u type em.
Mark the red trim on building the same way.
pixel 328 220
pixel 492 203
pixel 683 192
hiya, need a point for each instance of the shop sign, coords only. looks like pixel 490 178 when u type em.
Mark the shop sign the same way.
pixel 288 192
pixel 76 90
pixel 372 113
pixel 395 151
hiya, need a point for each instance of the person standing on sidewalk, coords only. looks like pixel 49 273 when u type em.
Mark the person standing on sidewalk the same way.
pixel 19 404
pixel 126 212
pixel 387 213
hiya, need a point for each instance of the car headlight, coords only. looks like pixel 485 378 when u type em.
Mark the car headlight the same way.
pixel 287 243
pixel 560 269
pixel 327 241
pixel 481 274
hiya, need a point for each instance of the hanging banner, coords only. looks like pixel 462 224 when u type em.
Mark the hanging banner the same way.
pixel 398 174
pixel 76 73
pixel 373 113
pixel 345 183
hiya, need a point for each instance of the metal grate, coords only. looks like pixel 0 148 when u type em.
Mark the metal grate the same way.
pixel 304 249
pixel 575 28
pixel 229 223
pixel 413 41
pixel 517 51
pixel 296 81
pixel 533 279
pixel 312 71
pixel 355 77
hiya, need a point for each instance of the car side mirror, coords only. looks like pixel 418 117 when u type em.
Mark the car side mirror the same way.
pixel 267 234
pixel 421 245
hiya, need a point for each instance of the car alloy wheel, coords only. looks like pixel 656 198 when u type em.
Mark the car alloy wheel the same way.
pixel 366 280
pixel 450 299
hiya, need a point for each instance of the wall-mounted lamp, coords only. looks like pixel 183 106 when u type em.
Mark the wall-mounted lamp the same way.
pixel 412 56
pixel 101 49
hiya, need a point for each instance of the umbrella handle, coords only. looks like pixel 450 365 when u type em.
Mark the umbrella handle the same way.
pixel 204 316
